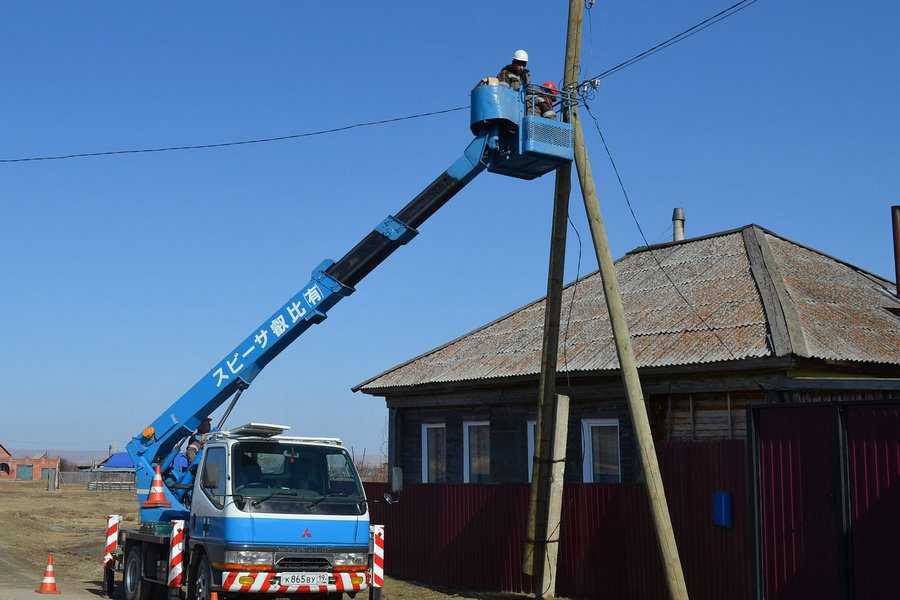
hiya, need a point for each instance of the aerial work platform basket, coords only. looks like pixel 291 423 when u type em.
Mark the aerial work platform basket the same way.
pixel 530 144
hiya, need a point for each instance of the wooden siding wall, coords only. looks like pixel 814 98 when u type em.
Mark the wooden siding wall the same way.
pixel 509 439
pixel 837 395
pixel 709 416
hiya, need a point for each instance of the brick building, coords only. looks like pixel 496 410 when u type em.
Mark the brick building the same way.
pixel 27 469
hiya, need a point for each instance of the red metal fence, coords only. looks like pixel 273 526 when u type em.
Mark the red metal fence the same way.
pixel 873 440
pixel 471 536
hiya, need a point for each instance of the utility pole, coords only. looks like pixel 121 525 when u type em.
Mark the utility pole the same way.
pixel 545 499
pixel 665 536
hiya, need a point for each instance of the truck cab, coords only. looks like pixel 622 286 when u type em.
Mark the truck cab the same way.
pixel 270 513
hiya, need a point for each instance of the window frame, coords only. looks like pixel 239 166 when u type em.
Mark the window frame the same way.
pixel 466 467
pixel 424 448
pixel 223 475
pixel 587 462
pixel 531 435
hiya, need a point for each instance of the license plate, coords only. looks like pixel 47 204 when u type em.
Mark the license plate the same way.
pixel 305 578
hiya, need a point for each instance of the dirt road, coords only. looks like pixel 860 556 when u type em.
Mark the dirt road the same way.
pixel 71 522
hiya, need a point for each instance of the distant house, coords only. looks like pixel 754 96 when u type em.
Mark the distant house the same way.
pixel 770 320
pixel 120 461
pixel 34 468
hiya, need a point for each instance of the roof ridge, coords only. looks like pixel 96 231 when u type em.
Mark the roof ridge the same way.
pixel 784 322
pixel 715 234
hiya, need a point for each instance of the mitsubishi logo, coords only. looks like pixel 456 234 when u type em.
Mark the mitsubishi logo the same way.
pixel 307 533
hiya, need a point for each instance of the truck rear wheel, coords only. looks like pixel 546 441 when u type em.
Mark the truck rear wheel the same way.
pixel 133 585
pixel 109 581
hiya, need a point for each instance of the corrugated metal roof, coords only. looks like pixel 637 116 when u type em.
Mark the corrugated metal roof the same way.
pixel 840 308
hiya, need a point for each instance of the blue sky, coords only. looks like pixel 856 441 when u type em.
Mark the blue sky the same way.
pixel 125 278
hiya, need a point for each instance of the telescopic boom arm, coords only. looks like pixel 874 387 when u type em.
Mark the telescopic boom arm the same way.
pixel 510 139
pixel 330 282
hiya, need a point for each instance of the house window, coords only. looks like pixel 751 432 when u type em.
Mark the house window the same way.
pixel 600 448
pixel 531 430
pixel 4 468
pixel 434 453
pixel 476 451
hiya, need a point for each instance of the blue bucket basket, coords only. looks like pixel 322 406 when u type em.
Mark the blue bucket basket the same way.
pixel 535 145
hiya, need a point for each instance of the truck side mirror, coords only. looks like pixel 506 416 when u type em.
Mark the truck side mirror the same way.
pixel 210 476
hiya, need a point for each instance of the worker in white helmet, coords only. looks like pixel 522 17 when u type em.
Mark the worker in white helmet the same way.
pixel 516 74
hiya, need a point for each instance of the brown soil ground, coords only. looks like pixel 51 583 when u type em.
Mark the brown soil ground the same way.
pixel 71 524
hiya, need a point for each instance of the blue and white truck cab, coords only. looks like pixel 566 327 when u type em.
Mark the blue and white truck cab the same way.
pixel 257 512
pixel 276 513
pixel 268 514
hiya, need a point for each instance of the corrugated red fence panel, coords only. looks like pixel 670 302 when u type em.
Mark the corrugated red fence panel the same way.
pixel 716 560
pixel 798 508
pixel 873 445
pixel 607 545
pixel 471 536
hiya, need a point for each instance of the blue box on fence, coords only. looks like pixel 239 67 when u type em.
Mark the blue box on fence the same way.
pixel 722 509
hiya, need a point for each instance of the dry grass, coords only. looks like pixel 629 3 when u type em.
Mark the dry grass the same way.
pixel 71 524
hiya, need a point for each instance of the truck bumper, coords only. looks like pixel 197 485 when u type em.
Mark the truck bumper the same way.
pixel 267 583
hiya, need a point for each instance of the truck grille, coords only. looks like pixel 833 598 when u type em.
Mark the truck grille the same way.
pixel 303 563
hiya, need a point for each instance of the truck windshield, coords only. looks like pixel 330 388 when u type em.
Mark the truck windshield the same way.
pixel 277 477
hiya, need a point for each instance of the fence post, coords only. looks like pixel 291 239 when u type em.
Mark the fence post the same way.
pixel 377 543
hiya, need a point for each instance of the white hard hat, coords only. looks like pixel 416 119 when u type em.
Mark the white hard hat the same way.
pixel 520 55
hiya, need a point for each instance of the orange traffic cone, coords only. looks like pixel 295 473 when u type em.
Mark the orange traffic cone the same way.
pixel 156 498
pixel 48 583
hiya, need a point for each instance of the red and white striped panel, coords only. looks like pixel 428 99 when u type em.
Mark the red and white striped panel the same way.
pixel 234 581
pixel 377 555
pixel 176 555
pixel 112 538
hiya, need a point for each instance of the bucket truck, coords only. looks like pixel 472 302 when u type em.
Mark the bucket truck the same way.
pixel 258 511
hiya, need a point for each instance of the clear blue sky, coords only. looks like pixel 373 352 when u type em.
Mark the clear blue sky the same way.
pixel 124 279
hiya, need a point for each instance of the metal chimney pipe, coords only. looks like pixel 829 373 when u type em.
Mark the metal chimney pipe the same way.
pixel 895 217
pixel 678 225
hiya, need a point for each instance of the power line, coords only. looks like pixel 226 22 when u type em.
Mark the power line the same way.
pixel 279 138
pixel 694 29
pixel 678 37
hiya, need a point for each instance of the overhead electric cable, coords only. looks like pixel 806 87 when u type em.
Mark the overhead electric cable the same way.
pixel 694 29
pixel 678 37
pixel 279 138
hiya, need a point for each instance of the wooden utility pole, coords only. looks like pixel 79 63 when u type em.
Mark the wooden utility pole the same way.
pixel 665 536
pixel 548 468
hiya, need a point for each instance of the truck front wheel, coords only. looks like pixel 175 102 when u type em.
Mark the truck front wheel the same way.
pixel 201 582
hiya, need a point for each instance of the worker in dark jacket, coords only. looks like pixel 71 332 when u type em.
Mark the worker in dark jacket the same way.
pixel 516 74
pixel 196 441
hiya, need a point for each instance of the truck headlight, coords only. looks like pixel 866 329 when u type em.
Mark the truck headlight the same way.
pixel 351 561
pixel 249 557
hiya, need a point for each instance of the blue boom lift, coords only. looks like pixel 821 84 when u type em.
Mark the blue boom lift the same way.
pixel 290 512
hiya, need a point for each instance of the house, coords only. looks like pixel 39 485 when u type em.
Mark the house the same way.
pixel 118 461
pixel 34 468
pixel 718 322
